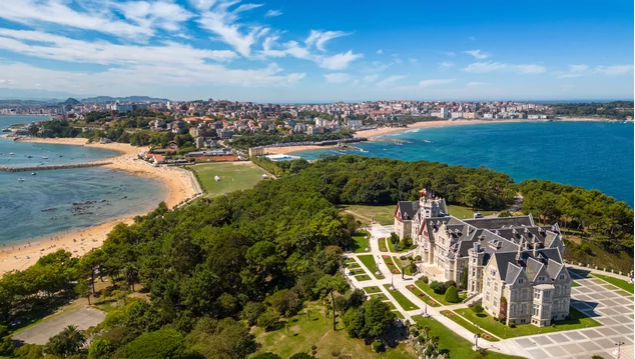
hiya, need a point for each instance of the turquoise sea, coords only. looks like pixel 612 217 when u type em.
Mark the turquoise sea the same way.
pixel 42 204
pixel 593 155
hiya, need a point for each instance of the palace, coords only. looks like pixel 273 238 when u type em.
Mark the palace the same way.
pixel 514 266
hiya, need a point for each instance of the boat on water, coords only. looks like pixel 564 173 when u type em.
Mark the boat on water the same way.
pixel 6 129
pixel 29 156
pixel 33 173
pixel 20 179
pixel 45 157
pixel 11 154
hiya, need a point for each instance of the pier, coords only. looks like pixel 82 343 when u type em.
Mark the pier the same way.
pixel 53 167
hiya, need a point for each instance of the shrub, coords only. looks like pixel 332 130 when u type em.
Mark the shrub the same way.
pixel 452 295
pixel 477 308
pixel 512 325
pixel 268 319
pixel 425 280
pixel 450 283
pixel 437 287
pixel 418 258
pixel 335 354
pixel 378 346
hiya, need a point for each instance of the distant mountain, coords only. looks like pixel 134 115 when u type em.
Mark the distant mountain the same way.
pixel 70 101
pixel 36 95
pixel 123 99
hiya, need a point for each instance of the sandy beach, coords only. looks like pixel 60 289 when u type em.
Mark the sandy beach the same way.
pixel 180 186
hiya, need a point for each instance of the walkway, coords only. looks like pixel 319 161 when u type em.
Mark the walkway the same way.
pixel 601 300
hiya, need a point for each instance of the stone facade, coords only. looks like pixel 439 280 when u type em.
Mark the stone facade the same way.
pixel 515 266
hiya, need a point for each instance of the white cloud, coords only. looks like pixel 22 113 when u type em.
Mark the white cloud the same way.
pixel 445 65
pixel 428 83
pixel 8 82
pixel 390 80
pixel 578 68
pixel 448 54
pixel 380 51
pixel 58 12
pixel 222 22
pixel 338 61
pixel 413 61
pixel 476 84
pixel 273 13
pixel 371 78
pixel 161 14
pixel 320 38
pixel 570 76
pixel 337 77
pixel 477 54
pixel 486 67
pixel 614 70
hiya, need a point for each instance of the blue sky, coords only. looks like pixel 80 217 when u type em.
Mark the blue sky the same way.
pixel 310 51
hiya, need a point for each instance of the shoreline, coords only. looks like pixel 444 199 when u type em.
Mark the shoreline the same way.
pixel 179 184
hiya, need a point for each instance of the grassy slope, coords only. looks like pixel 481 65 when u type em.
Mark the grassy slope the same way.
pixel 369 262
pixel 234 176
pixel 456 345
pixel 303 332
pixel 361 242
pixel 382 214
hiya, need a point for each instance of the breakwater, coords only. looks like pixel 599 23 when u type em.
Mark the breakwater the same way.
pixel 53 167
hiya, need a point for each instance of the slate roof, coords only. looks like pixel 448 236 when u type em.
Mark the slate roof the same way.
pixel 494 223
pixel 407 209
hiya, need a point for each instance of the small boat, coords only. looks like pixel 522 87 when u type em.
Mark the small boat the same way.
pixel 20 179
pixel 29 156
pixel 6 129
pixel 45 157
pixel 33 173
pixel 11 154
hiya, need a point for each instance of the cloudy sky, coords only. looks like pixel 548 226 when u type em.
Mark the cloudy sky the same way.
pixel 305 51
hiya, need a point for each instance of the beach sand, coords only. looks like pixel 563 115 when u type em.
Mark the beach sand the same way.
pixel 180 186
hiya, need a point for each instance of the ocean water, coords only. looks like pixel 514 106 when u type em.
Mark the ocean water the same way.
pixel 52 201
pixel 593 155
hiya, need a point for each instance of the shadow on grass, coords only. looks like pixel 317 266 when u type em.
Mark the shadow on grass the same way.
pixel 37 310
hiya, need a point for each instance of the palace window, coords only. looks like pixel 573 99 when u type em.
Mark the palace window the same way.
pixel 521 281
pixel 561 276
pixel 495 302
pixel 536 309
pixel 541 279
pixel 536 294
pixel 547 294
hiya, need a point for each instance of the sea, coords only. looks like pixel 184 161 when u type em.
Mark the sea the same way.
pixel 593 155
pixel 52 201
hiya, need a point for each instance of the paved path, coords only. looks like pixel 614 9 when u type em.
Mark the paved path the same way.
pixel 600 301
pixel 82 318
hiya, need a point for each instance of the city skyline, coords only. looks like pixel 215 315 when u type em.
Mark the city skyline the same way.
pixel 280 51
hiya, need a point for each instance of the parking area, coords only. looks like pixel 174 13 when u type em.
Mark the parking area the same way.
pixel 82 318
pixel 603 303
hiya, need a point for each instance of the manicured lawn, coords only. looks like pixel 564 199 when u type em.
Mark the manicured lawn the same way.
pixel 351 265
pixel 355 271
pixel 316 329
pixel 233 176
pixel 369 262
pixel 467 325
pixel 362 277
pixel 424 298
pixel 361 240
pixel 385 215
pixel 390 264
pixel 372 289
pixel 455 345
pixel 404 302
pixel 616 282
pixel 578 321
pixel 382 244
pixel 399 315
pixel 381 296
pixel 392 306
pixel 404 264
pixel 462 212
pixel 574 284
pixel 438 297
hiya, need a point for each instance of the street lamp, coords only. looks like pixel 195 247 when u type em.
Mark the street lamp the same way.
pixel 619 349
pixel 476 341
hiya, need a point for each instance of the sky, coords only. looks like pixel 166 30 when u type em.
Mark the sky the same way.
pixel 317 51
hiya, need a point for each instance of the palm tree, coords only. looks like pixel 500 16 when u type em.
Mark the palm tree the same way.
pixel 67 342
pixel 131 272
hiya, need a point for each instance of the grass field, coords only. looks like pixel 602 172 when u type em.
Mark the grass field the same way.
pixel 424 298
pixel 467 325
pixel 405 303
pixel 438 297
pixel 304 331
pixel 578 321
pixel 383 245
pixel 391 265
pixel 382 214
pixel 574 284
pixel 462 212
pixel 455 345
pixel 233 176
pixel 616 282
pixel 362 277
pixel 361 244
pixel 372 289
pixel 369 262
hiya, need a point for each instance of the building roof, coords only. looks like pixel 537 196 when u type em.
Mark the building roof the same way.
pixel 406 210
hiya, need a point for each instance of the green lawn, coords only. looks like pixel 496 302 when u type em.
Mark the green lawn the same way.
pixel 438 297
pixel 574 284
pixel 381 296
pixel 351 265
pixel 578 321
pixel 361 242
pixel 233 176
pixel 399 315
pixel 467 325
pixel 462 212
pixel 385 215
pixel 362 277
pixel 405 303
pixel 455 345
pixel 424 298
pixel 382 244
pixel 616 282
pixel 391 265
pixel 369 262
pixel 372 289
pixel 304 331
pixel 355 271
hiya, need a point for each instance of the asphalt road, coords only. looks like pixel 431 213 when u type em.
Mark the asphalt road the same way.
pixel 82 318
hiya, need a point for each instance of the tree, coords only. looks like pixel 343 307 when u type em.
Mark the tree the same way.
pixel 100 349
pixel 131 272
pixel 502 314
pixel 268 319
pixel 464 278
pixel 66 343
pixel 481 354
pixel 83 289
pixel 438 287
pixel 251 312
pixel 302 355
pixel 160 344
pixel 265 355
pixel 371 320
pixel 477 309
pixel 452 295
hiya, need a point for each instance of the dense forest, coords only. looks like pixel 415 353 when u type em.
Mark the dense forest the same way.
pixel 255 140
pixel 616 110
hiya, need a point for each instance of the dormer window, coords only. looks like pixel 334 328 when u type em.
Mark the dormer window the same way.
pixel 541 279
pixel 521 281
